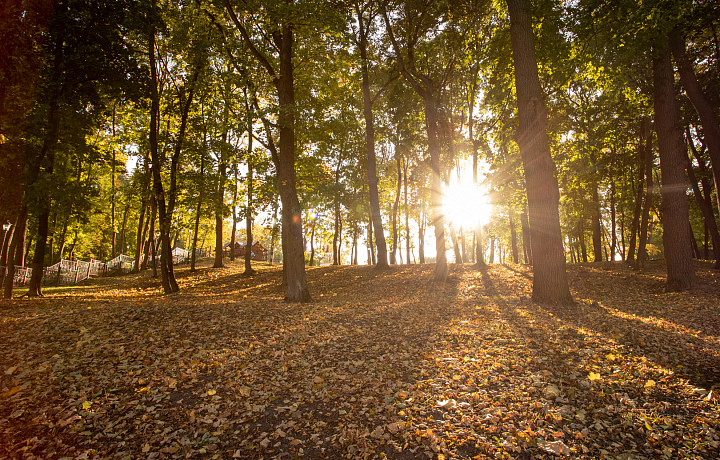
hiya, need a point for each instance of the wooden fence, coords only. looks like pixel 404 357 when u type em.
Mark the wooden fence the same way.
pixel 69 272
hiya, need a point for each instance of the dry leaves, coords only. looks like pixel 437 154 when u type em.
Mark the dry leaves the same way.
pixel 381 363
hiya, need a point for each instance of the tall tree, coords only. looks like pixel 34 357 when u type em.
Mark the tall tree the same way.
pixel 671 146
pixel 420 18
pixel 363 30
pixel 550 284
pixel 281 35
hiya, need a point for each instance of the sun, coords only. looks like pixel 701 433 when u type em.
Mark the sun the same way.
pixel 466 205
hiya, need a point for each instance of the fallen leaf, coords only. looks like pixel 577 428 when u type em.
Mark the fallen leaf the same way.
pixel 11 391
pixel 557 448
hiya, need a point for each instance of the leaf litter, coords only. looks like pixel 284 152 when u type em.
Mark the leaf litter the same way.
pixel 381 363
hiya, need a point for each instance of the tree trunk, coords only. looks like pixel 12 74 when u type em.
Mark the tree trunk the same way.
pixel 14 240
pixel 647 205
pixel 150 243
pixel 22 228
pixel 122 229
pixel 371 247
pixel 198 209
pixel 550 283
pixel 382 259
pixel 596 215
pixel 581 238
pixel 613 233
pixel 63 234
pixel 355 245
pixel 513 237
pixel 312 242
pixel 273 232
pixel 711 228
pixel 671 145
pixel 421 237
pixel 492 250
pixel 407 212
pixel 525 229
pixel 157 181
pixel 293 255
pixel 707 189
pixel 337 225
pixel 431 118
pixel 643 153
pixel 140 234
pixel 249 271
pixel 396 203
pixel 234 215
pixel 455 245
pixel 222 177
pixel 112 196
pixel 703 107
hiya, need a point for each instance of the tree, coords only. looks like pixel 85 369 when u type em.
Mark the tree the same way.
pixel 363 31
pixel 671 145
pixel 420 19
pixel 281 33
pixel 550 283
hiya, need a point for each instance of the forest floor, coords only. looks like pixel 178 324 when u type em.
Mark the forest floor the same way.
pixel 381 363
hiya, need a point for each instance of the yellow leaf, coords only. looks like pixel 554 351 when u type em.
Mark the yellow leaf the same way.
pixel 592 376
pixel 11 392
pixel 647 425
pixel 211 392
pixel 650 384
pixel 86 405
pixel 610 356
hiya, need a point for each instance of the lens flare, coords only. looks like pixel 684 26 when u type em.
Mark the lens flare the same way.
pixel 466 205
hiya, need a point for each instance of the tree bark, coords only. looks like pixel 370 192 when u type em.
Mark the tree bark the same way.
pixel 293 255
pixel 112 195
pixel 407 212
pixel 222 177
pixel 613 233
pixel 525 230
pixel 16 234
pixel 513 237
pixel 249 271
pixel 234 213
pixel 581 239
pixel 643 152
pixel 140 234
pixel 596 215
pixel 198 209
pixel 396 203
pixel 671 145
pixel 150 242
pixel 706 209
pixel 642 255
pixel 550 284
pixel 703 107
pixel 371 169
pixel 157 181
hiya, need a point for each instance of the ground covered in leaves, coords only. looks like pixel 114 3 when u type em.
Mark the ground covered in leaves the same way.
pixel 381 363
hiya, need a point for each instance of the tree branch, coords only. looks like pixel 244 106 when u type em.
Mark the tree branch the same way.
pixel 258 55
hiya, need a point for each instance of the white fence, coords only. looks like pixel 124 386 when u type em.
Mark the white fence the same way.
pixel 69 272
